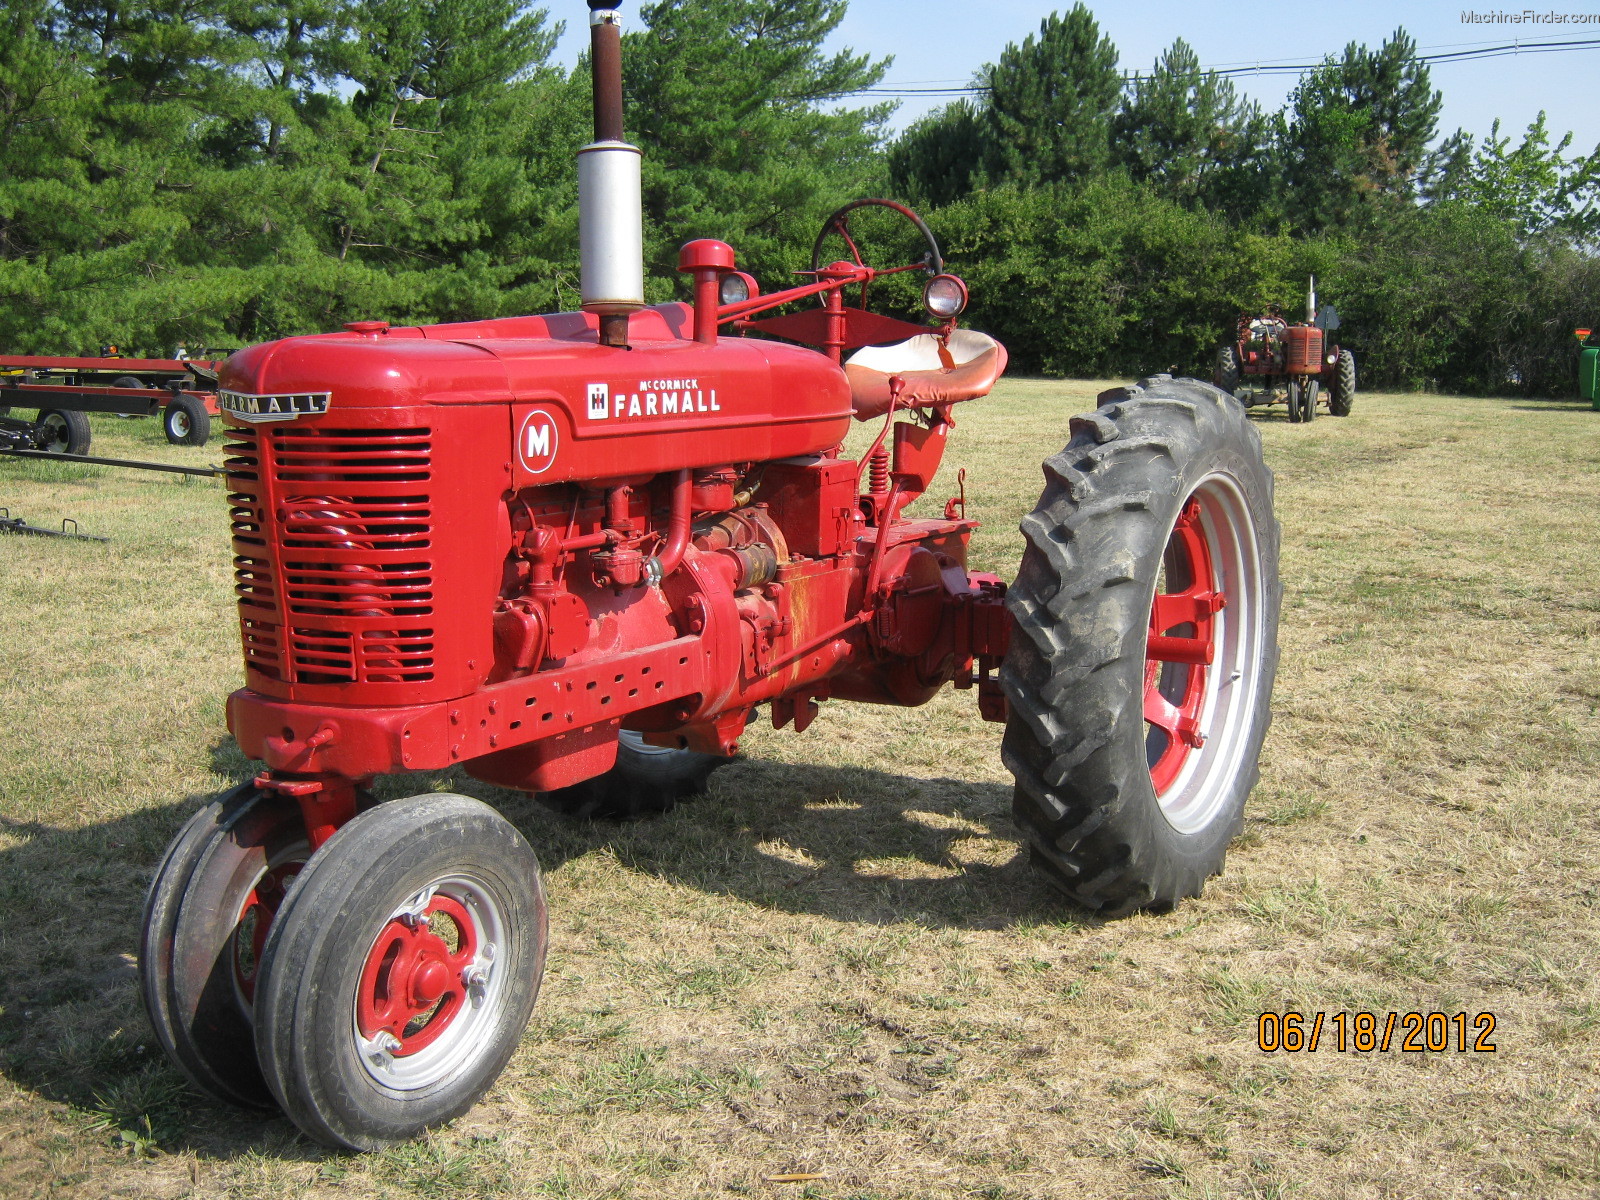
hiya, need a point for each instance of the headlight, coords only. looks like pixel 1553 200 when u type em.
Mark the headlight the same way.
pixel 1332 358
pixel 944 295
pixel 735 287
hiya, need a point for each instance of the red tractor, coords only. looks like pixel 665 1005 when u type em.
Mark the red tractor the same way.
pixel 1297 364
pixel 574 553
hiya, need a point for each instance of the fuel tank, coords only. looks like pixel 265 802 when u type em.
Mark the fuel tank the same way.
pixel 572 409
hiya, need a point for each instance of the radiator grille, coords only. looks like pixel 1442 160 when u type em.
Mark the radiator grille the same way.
pixel 333 562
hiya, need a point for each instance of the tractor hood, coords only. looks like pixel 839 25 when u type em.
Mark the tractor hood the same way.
pixel 575 409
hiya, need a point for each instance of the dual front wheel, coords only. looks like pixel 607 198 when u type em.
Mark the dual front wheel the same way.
pixel 372 989
pixel 1302 401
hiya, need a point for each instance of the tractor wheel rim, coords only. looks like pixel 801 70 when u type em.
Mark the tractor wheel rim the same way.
pixel 1202 654
pixel 256 912
pixel 431 991
pixel 635 742
pixel 180 423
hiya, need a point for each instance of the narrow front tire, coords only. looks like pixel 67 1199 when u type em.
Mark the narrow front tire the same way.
pixel 206 919
pixel 398 977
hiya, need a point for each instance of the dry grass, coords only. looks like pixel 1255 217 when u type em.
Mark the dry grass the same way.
pixel 838 962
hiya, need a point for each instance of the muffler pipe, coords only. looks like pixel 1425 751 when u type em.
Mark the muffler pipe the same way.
pixel 610 193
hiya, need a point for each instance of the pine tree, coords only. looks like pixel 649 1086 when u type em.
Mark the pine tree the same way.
pixel 1188 134
pixel 48 103
pixel 1358 130
pixel 1051 101
pixel 1044 116
pixel 940 158
pixel 727 99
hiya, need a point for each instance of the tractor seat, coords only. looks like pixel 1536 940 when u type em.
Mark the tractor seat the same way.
pixel 963 368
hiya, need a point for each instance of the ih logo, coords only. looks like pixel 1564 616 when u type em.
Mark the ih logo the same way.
pixel 599 401
pixel 537 442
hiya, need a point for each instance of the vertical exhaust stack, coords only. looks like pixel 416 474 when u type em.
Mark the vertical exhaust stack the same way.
pixel 610 197
pixel 1311 300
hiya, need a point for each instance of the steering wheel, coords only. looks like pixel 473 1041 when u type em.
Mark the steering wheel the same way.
pixel 839 223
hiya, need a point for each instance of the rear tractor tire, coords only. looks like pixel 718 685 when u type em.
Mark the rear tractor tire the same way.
pixel 399 974
pixel 1226 375
pixel 1342 391
pixel 647 781
pixel 1144 646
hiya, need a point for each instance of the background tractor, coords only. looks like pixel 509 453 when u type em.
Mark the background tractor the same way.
pixel 1299 365
pixel 574 553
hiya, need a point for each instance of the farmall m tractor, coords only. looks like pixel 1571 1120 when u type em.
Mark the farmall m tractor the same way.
pixel 574 553
pixel 1297 364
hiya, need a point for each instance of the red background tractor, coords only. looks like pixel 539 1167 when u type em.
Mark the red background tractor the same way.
pixel 1297 364
pixel 574 553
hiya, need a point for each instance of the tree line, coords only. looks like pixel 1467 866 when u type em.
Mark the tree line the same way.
pixel 216 172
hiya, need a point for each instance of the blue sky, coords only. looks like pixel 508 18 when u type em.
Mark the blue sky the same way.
pixel 947 40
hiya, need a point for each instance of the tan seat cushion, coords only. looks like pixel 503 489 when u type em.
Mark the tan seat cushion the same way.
pixel 964 368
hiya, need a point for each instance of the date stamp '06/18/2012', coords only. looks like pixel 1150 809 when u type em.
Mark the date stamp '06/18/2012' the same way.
pixel 1364 1032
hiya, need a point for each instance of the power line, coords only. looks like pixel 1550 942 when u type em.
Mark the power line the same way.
pixel 1252 62
pixel 1268 67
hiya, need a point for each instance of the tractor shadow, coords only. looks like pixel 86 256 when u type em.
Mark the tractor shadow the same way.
pixel 846 843
pixel 72 1026
pixel 854 845
pixel 851 844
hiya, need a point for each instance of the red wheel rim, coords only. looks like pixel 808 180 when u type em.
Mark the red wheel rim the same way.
pixel 412 984
pixel 260 906
pixel 1180 648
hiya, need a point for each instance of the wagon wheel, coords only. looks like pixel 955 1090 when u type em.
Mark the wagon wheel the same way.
pixel 128 381
pixel 62 431
pixel 185 421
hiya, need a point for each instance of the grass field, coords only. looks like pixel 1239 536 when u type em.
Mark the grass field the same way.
pixel 838 962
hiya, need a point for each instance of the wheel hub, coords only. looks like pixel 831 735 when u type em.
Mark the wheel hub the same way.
pixel 413 983
pixel 1180 648
pixel 429 983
